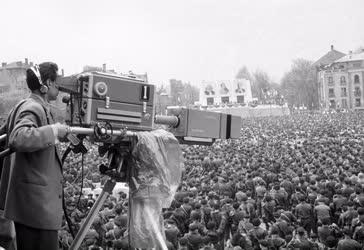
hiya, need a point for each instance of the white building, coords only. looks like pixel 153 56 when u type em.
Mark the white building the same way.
pixel 340 81
pixel 225 92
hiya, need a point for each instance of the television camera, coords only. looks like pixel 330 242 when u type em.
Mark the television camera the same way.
pixel 114 103
pixel 111 109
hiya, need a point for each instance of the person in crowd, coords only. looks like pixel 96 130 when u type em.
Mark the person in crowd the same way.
pixel 194 238
pixel 257 234
pixel 241 239
pixel 322 211
pixel 304 214
pixel 347 243
pixel 300 241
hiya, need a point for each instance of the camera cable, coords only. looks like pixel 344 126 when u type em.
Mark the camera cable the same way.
pixel 68 220
pixel 82 177
pixel 76 146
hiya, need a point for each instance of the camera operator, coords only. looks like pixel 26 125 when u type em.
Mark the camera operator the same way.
pixel 31 188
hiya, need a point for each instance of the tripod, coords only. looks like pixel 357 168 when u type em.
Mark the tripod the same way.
pixel 117 171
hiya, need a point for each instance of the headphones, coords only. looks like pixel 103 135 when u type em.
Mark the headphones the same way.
pixel 43 88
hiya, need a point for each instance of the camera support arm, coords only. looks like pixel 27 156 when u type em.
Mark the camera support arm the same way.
pixel 102 131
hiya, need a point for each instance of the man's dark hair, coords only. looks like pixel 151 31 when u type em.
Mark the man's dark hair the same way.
pixel 256 222
pixel 48 70
pixel 331 241
pixel 325 221
pixel 361 210
pixel 210 225
pixel 236 205
pixel 346 231
pixel 183 241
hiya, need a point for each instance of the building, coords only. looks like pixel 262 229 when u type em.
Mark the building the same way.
pixel 340 80
pixel 218 93
pixel 4 88
pixel 90 68
pixel 12 77
pixel 13 85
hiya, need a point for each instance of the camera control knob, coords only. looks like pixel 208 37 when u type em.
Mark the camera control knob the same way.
pixel 103 168
pixel 103 131
pixel 100 88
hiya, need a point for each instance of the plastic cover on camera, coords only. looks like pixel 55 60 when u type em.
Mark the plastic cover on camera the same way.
pixel 156 173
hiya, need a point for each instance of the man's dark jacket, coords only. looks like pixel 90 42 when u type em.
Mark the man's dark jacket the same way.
pixel 31 181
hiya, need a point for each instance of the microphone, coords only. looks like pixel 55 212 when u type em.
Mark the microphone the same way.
pixel 66 99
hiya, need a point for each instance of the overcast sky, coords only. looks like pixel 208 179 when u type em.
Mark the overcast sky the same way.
pixel 190 40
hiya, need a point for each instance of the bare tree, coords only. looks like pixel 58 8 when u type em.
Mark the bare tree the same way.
pixel 360 49
pixel 299 86
pixel 243 73
pixel 183 94
pixel 261 83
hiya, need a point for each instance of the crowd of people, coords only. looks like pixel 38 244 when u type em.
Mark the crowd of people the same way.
pixel 290 182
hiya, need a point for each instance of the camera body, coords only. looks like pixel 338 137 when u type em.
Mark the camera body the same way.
pixel 121 101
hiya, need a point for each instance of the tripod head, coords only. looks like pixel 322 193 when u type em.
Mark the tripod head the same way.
pixel 118 156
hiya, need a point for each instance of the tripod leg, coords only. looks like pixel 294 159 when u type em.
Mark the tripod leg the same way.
pixel 5 153
pixel 3 137
pixel 108 187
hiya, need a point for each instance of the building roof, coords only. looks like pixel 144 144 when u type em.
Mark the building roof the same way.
pixel 329 57
pixel 351 57
pixel 15 65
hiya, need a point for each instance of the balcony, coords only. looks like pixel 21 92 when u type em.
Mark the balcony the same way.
pixel 357 93
pixel 357 65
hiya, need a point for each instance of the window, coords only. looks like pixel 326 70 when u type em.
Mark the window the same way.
pixel 331 92
pixel 344 103
pixel 332 104
pixel 342 80
pixel 343 92
pixel 356 65
pixel 210 101
pixel 225 99
pixel 357 92
pixel 240 98
pixel 357 102
pixel 356 79
pixel 330 80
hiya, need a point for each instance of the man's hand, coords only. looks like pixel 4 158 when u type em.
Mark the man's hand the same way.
pixel 60 131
